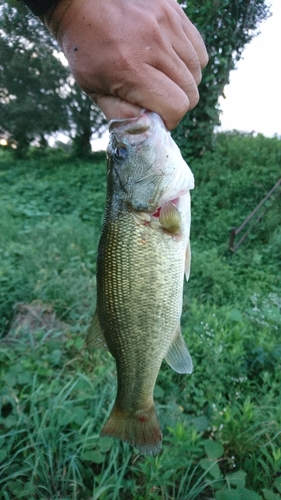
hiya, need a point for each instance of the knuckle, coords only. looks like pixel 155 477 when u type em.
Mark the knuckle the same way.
pixel 204 59
pixel 177 113
pixel 193 99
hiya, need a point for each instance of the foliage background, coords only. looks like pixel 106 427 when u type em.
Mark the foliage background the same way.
pixel 226 26
pixel 38 96
pixel 221 425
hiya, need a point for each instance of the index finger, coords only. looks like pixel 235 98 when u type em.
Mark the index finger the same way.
pixel 192 34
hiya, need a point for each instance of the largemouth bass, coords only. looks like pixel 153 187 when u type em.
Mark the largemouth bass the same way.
pixel 143 254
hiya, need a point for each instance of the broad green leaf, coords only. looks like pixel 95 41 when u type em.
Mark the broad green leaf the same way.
pixel 210 466
pixel 3 454
pixel 227 495
pixel 79 416
pixel 235 315
pixel 93 456
pixel 16 487
pixel 219 484
pixel 246 494
pixel 213 449
pixel 215 471
pixel 10 422
pixel 158 392
pixel 105 444
pixel 79 342
pixel 237 478
pixel 277 483
pixel 201 423
pixel 27 491
pixel 24 378
pixel 269 495
pixel 55 356
pixel 237 494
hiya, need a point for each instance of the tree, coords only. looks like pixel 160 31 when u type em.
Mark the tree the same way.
pixel 86 118
pixel 226 26
pixel 32 101
pixel 37 94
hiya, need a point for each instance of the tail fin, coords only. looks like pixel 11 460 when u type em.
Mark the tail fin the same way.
pixel 141 429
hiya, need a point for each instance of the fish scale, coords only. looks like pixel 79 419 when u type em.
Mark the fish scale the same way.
pixel 133 298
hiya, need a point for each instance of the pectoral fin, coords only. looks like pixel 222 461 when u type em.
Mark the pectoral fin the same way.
pixel 178 356
pixel 187 261
pixel 170 218
pixel 95 336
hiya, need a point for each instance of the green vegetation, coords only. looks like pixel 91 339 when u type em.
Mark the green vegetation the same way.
pixel 222 424
pixel 37 94
pixel 226 26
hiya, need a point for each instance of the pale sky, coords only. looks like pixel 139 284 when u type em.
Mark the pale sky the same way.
pixel 253 96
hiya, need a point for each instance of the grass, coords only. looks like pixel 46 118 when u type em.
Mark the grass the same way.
pixel 222 424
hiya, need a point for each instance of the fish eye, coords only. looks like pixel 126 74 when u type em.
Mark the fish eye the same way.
pixel 121 152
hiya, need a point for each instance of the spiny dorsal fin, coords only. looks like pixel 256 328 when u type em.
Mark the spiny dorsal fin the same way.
pixel 95 336
pixel 178 356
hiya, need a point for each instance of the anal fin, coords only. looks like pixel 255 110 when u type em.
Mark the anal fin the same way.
pixel 178 356
pixel 95 336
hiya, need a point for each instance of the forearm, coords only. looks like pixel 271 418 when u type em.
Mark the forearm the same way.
pixel 49 11
pixel 39 7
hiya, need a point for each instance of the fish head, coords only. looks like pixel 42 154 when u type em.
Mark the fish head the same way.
pixel 145 166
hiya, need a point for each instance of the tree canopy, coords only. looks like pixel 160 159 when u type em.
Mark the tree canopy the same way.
pixel 226 26
pixel 38 96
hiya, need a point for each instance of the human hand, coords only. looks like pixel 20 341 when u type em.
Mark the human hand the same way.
pixel 131 54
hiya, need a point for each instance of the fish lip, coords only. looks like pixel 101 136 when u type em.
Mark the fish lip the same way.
pixel 135 130
pixel 120 121
pixel 116 122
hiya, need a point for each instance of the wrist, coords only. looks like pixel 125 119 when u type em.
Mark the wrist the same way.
pixel 39 7
pixel 54 16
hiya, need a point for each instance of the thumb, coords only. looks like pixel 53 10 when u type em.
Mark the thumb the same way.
pixel 115 107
